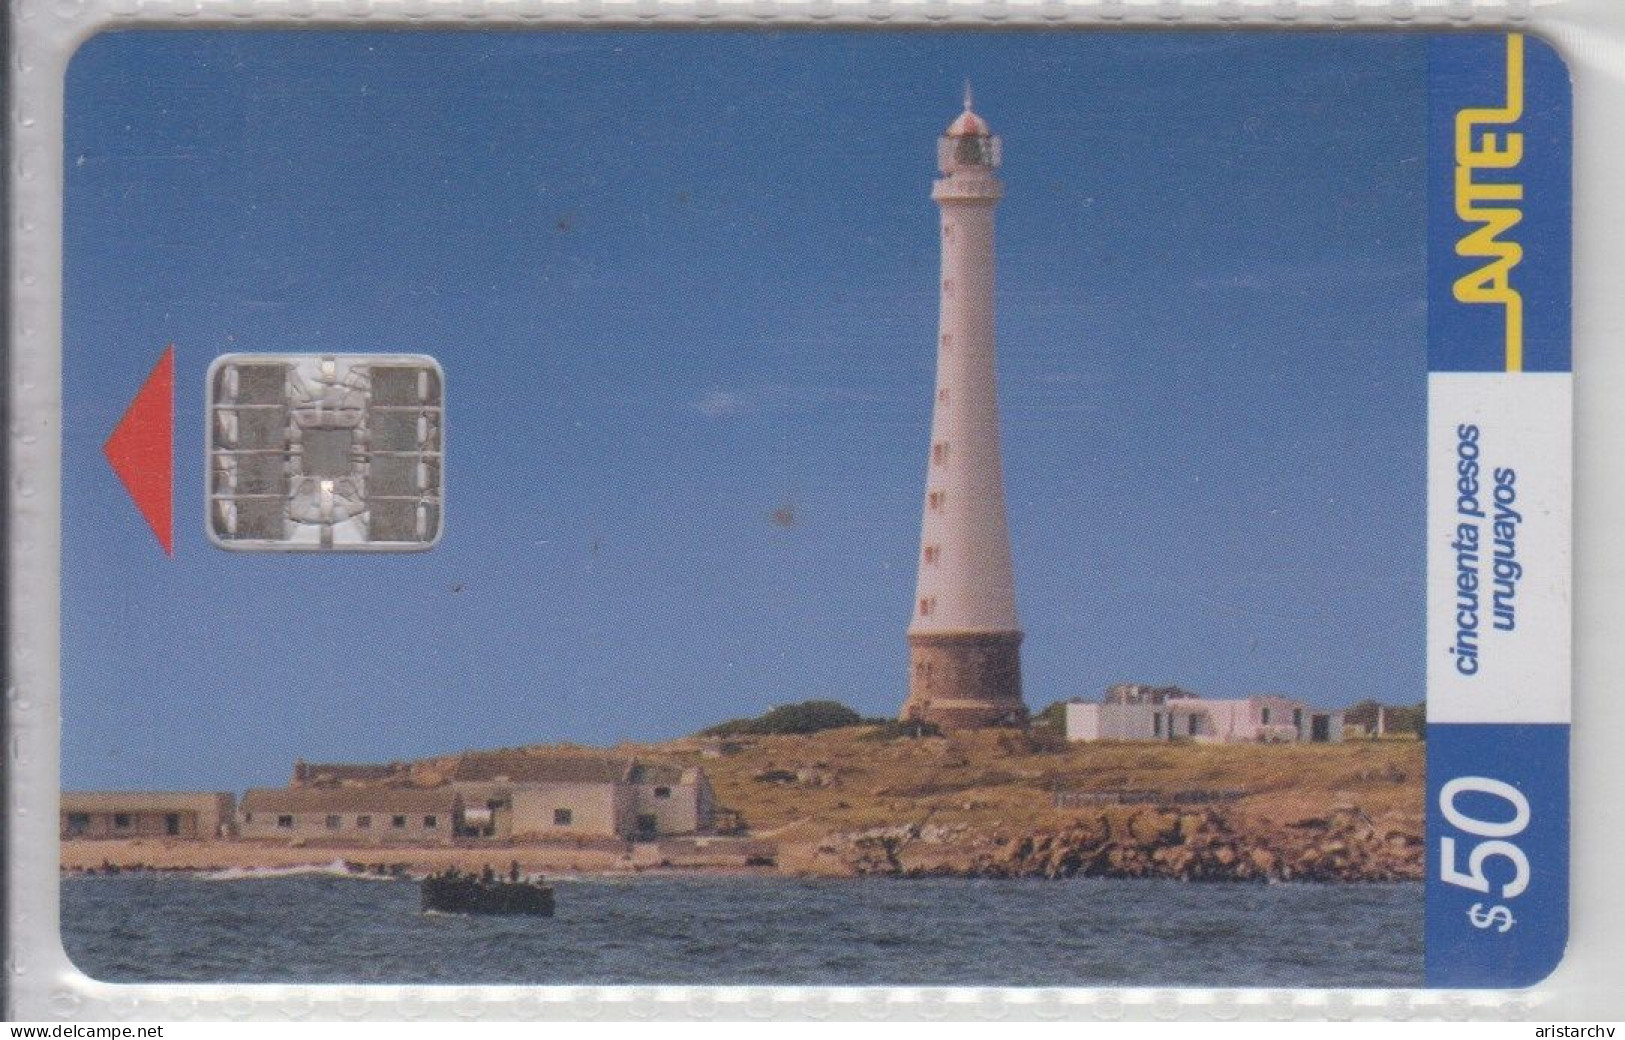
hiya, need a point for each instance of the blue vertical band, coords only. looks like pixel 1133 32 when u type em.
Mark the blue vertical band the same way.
pixel 1469 942
pixel 1497 855
pixel 1467 74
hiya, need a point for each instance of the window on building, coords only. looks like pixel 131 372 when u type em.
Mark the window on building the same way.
pixel 364 822
pixel 947 339
pixel 78 822
pixel 933 553
pixel 1297 718
pixel 947 287
pixel 935 500
pixel 1193 725
pixel 285 822
pixel 561 817
pixel 398 822
pixel 121 821
pixel 1264 716
pixel 431 822
pixel 1156 724
pixel 939 452
pixel 248 817
pixel 928 606
pixel 334 823
pixel 947 232
pixel 942 395
pixel 662 792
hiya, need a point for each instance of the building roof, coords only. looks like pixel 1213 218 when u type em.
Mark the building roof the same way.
pixel 1144 693
pixel 969 124
pixel 514 768
pixel 142 801
pixel 659 773
pixel 1261 699
pixel 315 773
pixel 349 799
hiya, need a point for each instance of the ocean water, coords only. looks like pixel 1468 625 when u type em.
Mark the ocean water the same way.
pixel 314 927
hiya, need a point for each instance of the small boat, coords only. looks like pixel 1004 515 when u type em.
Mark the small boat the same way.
pixel 454 892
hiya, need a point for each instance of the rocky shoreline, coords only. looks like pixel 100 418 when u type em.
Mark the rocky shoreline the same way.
pixel 974 804
pixel 1346 845
pixel 1183 844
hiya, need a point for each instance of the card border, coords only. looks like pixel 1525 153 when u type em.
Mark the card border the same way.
pixel 42 984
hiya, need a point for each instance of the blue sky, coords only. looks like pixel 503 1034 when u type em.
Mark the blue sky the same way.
pixel 679 280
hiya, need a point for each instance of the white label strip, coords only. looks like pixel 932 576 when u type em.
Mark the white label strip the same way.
pixel 1499 494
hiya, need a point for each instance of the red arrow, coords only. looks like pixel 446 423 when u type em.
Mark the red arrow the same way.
pixel 141 449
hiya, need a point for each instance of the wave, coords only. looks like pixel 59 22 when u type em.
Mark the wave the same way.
pixel 337 868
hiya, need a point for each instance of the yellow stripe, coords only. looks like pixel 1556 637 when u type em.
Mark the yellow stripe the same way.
pixel 1475 204
pixel 1514 310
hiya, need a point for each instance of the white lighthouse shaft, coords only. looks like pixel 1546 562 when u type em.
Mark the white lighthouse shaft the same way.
pixel 964 635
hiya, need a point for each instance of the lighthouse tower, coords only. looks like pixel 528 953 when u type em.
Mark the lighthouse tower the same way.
pixel 964 640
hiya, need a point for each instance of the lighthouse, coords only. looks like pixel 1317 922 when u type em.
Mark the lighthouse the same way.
pixel 964 640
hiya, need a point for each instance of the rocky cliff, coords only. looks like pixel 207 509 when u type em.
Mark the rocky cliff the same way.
pixel 992 803
pixel 868 800
pixel 1204 845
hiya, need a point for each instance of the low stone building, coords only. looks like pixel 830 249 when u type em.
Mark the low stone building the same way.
pixel 364 814
pixel 546 796
pixel 1262 719
pixel 531 796
pixel 146 814
pixel 671 800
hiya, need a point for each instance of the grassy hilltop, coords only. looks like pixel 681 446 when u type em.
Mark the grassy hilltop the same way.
pixel 967 801
pixel 842 796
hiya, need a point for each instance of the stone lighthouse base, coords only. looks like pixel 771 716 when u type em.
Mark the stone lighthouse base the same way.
pixel 965 680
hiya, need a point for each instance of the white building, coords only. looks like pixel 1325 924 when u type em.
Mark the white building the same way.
pixel 672 800
pixel 1247 720
pixel 537 796
pixel 350 814
pixel 964 639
